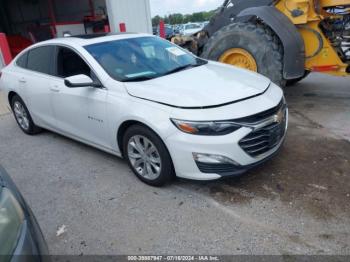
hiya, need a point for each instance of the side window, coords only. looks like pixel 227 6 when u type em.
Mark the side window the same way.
pixel 40 59
pixel 70 63
pixel 22 60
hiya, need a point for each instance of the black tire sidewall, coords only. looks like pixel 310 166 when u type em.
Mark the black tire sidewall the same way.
pixel 167 169
pixel 255 39
pixel 33 129
pixel 292 82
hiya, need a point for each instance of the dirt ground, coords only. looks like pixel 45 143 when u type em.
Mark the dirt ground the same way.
pixel 313 175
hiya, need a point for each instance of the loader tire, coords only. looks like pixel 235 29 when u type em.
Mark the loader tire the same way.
pixel 257 39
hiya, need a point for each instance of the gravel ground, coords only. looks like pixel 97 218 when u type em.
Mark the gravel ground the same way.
pixel 298 203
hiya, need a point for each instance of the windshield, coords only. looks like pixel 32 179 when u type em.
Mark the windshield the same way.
pixel 142 58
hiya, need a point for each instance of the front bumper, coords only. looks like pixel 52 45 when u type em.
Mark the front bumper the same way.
pixel 182 146
pixel 226 170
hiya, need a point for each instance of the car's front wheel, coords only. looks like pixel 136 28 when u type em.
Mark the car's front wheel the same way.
pixel 147 156
pixel 22 116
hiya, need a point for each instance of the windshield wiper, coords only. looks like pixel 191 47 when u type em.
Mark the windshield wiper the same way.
pixel 200 62
pixel 181 68
pixel 178 69
pixel 138 79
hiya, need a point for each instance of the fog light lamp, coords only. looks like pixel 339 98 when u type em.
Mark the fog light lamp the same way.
pixel 213 159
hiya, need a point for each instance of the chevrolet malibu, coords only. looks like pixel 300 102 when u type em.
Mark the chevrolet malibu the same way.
pixel 166 111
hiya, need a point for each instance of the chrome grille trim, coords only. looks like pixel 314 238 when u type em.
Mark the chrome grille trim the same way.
pixel 266 134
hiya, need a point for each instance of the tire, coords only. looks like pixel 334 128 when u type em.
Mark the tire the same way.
pixel 258 39
pixel 145 135
pixel 25 122
pixel 296 80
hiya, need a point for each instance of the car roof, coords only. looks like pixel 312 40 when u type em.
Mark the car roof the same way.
pixel 89 39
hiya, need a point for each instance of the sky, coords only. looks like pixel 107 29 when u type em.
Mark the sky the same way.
pixel 165 7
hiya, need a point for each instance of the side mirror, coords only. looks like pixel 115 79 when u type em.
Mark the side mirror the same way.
pixel 80 81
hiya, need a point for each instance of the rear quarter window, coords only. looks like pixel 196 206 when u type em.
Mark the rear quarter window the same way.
pixel 22 60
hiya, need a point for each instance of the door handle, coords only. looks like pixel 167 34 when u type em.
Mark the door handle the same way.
pixel 22 80
pixel 55 89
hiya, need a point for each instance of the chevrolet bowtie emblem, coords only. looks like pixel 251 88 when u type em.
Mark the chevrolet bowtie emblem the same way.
pixel 278 118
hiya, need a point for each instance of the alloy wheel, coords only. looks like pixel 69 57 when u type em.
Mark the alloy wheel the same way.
pixel 21 115
pixel 144 157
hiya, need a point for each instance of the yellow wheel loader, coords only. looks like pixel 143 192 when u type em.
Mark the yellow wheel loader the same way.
pixel 284 40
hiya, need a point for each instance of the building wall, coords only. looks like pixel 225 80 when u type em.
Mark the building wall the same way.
pixel 75 10
pixel 21 14
pixel 136 14
pixel 24 14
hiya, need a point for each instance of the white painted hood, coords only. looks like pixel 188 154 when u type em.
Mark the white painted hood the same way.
pixel 192 31
pixel 213 84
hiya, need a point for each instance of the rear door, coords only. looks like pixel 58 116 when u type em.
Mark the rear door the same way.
pixel 34 81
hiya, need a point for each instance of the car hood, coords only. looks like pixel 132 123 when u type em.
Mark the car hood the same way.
pixel 192 31
pixel 209 85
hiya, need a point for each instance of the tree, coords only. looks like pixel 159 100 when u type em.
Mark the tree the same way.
pixel 197 17
pixel 166 19
pixel 208 15
pixel 175 19
pixel 178 18
pixel 187 19
pixel 156 20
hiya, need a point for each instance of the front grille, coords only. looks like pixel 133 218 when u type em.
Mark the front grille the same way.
pixel 266 138
pixel 262 115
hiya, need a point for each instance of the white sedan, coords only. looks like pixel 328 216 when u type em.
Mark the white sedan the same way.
pixel 136 96
pixel 191 29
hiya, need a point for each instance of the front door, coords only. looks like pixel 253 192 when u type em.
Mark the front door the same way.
pixel 80 112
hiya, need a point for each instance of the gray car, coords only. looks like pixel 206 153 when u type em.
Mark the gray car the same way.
pixel 21 238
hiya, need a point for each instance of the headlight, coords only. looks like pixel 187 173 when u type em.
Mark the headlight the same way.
pixel 211 128
pixel 11 218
